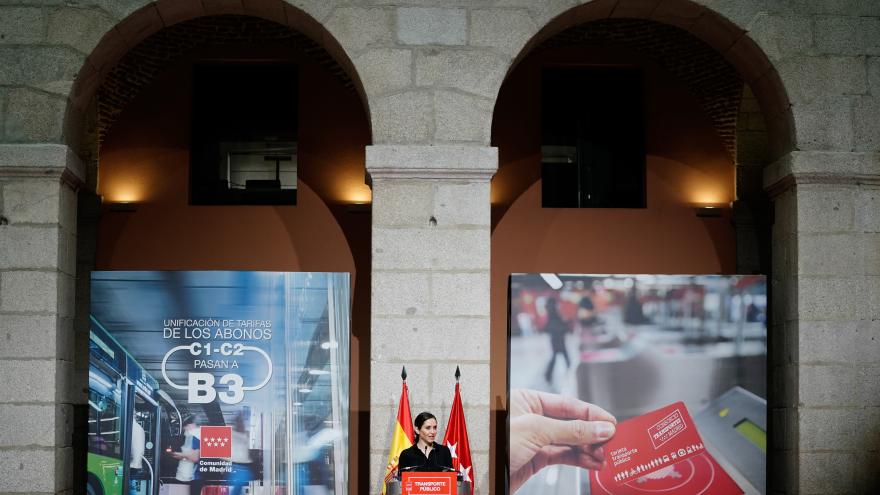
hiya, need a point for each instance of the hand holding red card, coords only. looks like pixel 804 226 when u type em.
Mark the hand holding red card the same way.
pixel 550 429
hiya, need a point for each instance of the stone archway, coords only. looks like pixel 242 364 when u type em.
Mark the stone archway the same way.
pixel 728 39
pixel 155 16
pixel 40 183
pixel 431 73
pixel 322 207
pixel 735 48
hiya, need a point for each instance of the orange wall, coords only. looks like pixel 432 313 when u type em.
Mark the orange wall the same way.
pixel 686 165
pixel 145 158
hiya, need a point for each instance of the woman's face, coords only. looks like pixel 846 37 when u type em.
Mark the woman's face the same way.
pixel 428 431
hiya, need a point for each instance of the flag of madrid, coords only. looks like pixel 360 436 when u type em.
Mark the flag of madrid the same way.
pixel 216 441
pixel 456 438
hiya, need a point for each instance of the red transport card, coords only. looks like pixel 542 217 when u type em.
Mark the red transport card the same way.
pixel 660 451
pixel 700 475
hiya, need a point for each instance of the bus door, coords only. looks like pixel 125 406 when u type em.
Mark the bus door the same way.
pixel 142 440
pixel 144 445
pixel 106 417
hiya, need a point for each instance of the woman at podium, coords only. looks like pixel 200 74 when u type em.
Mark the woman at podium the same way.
pixel 425 454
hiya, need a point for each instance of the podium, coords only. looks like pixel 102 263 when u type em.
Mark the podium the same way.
pixel 426 483
pixel 398 487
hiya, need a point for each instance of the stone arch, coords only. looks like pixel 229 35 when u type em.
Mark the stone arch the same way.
pixel 730 40
pixel 733 60
pixel 114 41
pixel 726 38
pixel 147 20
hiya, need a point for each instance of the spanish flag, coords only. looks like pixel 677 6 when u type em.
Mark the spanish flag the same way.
pixel 402 438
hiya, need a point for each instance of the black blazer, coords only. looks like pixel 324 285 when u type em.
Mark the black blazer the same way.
pixel 440 456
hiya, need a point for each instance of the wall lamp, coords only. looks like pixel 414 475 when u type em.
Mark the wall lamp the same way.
pixel 708 211
pixel 123 206
pixel 359 207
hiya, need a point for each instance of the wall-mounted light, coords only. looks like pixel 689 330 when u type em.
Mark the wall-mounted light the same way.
pixel 125 188
pixel 708 211
pixel 123 206
pixel 359 207
pixel 355 192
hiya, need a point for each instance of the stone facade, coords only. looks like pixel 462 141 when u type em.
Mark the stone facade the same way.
pixel 37 271
pixel 428 73
pixel 430 277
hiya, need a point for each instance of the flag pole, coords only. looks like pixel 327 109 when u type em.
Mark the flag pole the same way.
pixel 402 436
pixel 456 437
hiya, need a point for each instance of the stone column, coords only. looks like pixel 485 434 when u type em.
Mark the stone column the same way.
pixel 430 289
pixel 825 383
pixel 37 270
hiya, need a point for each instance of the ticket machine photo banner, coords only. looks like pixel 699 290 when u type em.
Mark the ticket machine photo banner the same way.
pixel 679 361
pixel 228 382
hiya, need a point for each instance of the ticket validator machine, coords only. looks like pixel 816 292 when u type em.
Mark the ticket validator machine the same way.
pixel 734 427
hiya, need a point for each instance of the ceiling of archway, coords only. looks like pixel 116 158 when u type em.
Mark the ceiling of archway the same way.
pixel 706 74
pixel 143 63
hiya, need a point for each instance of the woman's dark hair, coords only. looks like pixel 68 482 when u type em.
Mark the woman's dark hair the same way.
pixel 420 420
pixel 422 417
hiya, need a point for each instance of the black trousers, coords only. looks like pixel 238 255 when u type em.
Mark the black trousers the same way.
pixel 557 349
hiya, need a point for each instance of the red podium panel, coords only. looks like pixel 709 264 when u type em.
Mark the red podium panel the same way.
pixel 429 484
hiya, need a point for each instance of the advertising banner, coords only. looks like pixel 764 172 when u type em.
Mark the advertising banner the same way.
pixel 219 383
pixel 636 384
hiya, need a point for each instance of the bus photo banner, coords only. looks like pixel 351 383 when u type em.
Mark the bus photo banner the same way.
pixel 218 382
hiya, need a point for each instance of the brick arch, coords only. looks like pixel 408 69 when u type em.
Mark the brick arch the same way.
pixel 155 16
pixel 729 40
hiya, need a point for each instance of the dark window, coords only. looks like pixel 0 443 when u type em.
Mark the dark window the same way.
pixel 593 138
pixel 244 135
pixel 105 409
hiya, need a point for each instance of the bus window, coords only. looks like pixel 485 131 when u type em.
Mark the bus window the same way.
pixel 104 424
